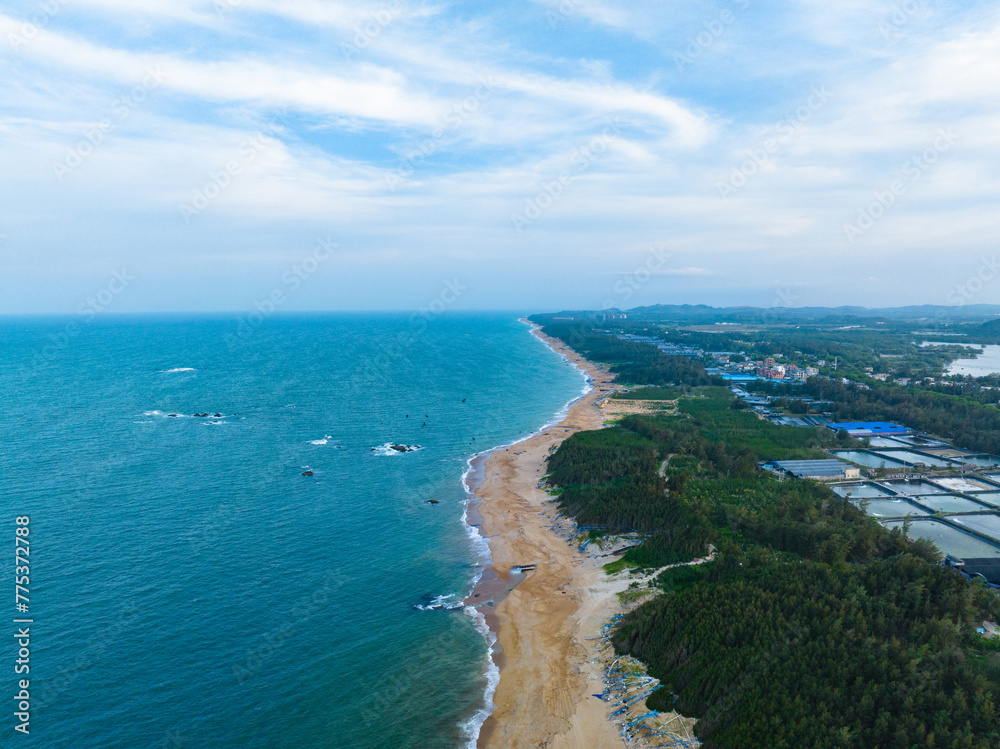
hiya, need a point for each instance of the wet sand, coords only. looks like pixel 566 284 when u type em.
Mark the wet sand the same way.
pixel 545 695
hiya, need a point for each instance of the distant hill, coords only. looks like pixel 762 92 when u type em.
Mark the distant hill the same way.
pixel 704 314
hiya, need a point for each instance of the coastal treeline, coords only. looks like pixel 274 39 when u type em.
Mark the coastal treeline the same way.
pixel 815 626
pixel 633 362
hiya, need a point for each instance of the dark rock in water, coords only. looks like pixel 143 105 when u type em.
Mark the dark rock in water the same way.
pixel 218 416
pixel 463 400
pixel 307 473
pixel 174 416
pixel 432 501
pixel 396 447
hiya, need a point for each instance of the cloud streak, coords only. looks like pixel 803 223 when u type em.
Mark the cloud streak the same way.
pixel 349 97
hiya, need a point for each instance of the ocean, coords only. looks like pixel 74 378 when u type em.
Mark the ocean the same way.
pixel 190 587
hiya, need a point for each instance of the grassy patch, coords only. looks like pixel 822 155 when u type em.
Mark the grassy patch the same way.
pixel 613 568
pixel 634 594
pixel 649 394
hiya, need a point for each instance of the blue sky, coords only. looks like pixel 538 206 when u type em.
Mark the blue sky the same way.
pixel 533 154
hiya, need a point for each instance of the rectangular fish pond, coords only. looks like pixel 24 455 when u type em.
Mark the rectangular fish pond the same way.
pixel 913 487
pixel 949 540
pixel 885 442
pixel 990 498
pixel 889 508
pixel 871 460
pixel 916 441
pixel 906 456
pixel 859 491
pixel 980 460
pixel 947 503
pixel 988 525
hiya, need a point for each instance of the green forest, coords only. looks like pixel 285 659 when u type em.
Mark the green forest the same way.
pixel 814 626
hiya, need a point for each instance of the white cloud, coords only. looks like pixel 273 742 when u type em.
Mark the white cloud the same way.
pixel 352 119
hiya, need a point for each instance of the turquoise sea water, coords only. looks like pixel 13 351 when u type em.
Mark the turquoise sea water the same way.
pixel 191 588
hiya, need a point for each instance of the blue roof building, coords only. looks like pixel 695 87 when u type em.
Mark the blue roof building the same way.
pixel 868 428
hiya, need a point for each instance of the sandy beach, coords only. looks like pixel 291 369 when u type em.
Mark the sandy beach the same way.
pixel 544 697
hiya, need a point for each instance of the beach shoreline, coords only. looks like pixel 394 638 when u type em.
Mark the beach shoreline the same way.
pixel 541 620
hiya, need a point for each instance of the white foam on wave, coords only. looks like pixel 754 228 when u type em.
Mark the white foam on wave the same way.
pixel 474 725
pixel 179 369
pixel 444 602
pixel 479 545
pixel 387 449
pixel 323 441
